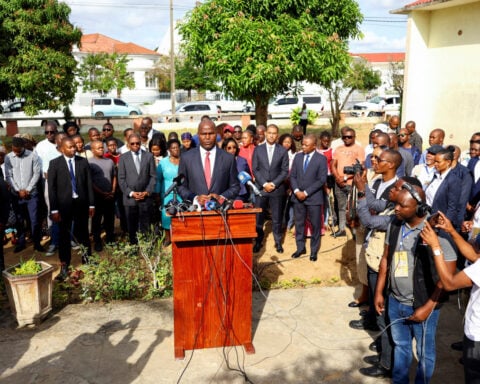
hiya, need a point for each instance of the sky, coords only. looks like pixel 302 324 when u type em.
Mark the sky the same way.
pixel 147 22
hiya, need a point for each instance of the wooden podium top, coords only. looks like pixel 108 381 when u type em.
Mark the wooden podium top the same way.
pixel 210 225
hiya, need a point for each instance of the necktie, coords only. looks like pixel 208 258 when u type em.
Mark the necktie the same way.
pixel 305 164
pixel 270 154
pixel 136 159
pixel 72 176
pixel 207 170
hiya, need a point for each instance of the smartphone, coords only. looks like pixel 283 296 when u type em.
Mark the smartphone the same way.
pixel 433 219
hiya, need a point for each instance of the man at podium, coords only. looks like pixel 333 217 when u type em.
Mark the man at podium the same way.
pixel 209 172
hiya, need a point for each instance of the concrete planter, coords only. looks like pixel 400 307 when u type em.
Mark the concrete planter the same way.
pixel 30 296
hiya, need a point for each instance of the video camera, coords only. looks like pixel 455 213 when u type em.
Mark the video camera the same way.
pixel 355 169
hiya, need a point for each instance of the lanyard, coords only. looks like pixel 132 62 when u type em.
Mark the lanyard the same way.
pixel 404 235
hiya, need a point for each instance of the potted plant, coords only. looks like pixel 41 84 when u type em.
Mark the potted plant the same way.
pixel 29 290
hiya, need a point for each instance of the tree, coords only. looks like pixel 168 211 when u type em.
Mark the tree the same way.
pixel 189 76
pixel 396 76
pixel 259 48
pixel 358 77
pixel 104 72
pixel 36 61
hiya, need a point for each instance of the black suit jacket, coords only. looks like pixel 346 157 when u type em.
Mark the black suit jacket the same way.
pixel 276 172
pixel 447 198
pixel 130 181
pixel 224 180
pixel 60 187
pixel 310 181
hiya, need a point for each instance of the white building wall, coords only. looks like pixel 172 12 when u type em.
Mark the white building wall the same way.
pixel 442 72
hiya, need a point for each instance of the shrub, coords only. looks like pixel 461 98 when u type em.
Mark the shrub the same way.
pixel 295 116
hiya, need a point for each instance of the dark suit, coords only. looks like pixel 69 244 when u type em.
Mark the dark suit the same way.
pixel 276 173
pixel 447 198
pixel 475 190
pixel 138 213
pixel 311 181
pixel 71 210
pixel 224 180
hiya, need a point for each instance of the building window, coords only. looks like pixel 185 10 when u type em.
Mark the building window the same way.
pixel 150 80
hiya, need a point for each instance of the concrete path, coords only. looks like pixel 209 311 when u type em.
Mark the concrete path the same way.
pixel 300 336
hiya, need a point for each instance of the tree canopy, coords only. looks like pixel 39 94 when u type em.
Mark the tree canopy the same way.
pixel 36 61
pixel 259 48
pixel 104 72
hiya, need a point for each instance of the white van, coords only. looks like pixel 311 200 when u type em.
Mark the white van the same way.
pixel 282 107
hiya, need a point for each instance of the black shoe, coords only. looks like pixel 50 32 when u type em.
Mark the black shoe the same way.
pixel 356 304
pixel 298 253
pixel 19 248
pixel 62 276
pixel 363 325
pixel 373 346
pixel 375 371
pixel 458 346
pixel 372 359
pixel 279 248
pixel 339 234
pixel 363 313
pixel 313 257
pixel 39 248
pixel 257 247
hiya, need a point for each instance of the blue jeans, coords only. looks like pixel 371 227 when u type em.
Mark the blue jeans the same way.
pixel 403 331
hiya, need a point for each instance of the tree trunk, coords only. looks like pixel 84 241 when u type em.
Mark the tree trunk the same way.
pixel 261 110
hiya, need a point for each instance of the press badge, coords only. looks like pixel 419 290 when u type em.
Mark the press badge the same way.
pixel 401 264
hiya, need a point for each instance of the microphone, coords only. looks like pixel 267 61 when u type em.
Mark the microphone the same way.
pixel 212 205
pixel 194 208
pixel 177 181
pixel 226 205
pixel 245 178
pixel 237 204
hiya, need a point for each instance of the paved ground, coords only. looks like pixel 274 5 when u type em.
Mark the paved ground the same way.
pixel 300 336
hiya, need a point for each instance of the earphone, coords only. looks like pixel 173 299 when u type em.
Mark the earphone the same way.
pixel 422 208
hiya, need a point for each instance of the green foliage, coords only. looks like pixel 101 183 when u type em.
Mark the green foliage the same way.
pixel 189 76
pixel 104 72
pixel 359 76
pixel 36 61
pixel 29 267
pixel 295 116
pixel 259 48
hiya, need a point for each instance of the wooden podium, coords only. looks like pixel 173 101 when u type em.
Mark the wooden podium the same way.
pixel 212 279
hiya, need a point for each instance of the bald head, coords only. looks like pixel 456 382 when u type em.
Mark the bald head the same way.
pixel 436 137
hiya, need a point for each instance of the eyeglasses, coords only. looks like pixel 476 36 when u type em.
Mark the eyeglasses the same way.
pixel 135 143
pixel 107 129
pixel 347 137
pixel 50 132
pixel 474 141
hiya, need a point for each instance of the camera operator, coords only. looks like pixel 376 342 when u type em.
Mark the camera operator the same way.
pixel 345 155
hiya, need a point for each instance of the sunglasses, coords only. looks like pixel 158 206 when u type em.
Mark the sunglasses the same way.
pixel 107 129
pixel 347 137
pixel 135 143
pixel 50 132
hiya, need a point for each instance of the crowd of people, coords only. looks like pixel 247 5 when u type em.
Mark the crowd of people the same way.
pixel 413 210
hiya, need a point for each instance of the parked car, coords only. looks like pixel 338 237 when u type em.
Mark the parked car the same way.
pixel 192 111
pixel 282 106
pixel 377 106
pixel 111 106
pixel 16 110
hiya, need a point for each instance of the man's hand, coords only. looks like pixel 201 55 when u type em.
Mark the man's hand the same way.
pixel 55 217
pixel 139 196
pixel 359 182
pixel 202 199
pixel 421 313
pixel 379 303
pixel 269 187
pixel 300 195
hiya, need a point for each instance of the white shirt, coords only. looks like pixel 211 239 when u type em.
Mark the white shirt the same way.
pixel 68 159
pixel 203 155
pixel 46 151
pixel 472 315
pixel 432 189
pixel 384 185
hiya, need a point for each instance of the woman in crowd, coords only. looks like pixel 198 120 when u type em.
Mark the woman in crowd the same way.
pixel 286 141
pixel 187 142
pixel 158 147
pixel 231 146
pixel 167 170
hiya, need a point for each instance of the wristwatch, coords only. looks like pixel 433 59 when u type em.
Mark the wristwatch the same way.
pixel 360 194
pixel 437 251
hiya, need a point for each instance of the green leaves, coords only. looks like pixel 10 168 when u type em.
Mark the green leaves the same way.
pixel 256 49
pixel 36 63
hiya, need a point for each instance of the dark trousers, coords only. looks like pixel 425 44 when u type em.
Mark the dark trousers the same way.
pixel 26 211
pixel 277 205
pixel 314 214
pixel 104 209
pixel 138 218
pixel 385 339
pixel 304 124
pixel 471 360
pixel 78 216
